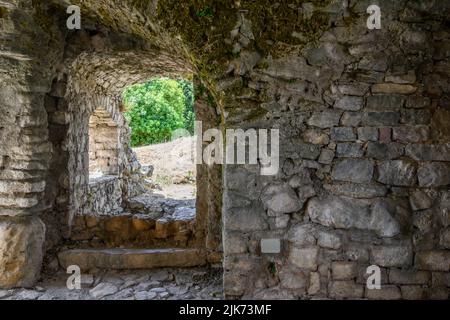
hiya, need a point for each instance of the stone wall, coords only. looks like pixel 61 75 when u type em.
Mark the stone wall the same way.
pixel 364 174
pixel 364 130
pixel 103 144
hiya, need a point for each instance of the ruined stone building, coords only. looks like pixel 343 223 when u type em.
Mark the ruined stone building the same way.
pixel 364 122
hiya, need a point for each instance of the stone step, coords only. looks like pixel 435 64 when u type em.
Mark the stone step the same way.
pixel 128 230
pixel 88 259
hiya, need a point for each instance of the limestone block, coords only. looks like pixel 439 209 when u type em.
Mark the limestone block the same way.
pixel 428 152
pixel 351 103
pixel 345 289
pixel 304 258
pixel 386 292
pixel 325 119
pixel 281 198
pixel 434 174
pixel 435 260
pixel 367 134
pixel 353 170
pixel 384 151
pixel 411 133
pixel 398 276
pixel 344 270
pixel 21 244
pixel 393 88
pixel 383 118
pixel 396 172
pixel 384 102
pixel 392 256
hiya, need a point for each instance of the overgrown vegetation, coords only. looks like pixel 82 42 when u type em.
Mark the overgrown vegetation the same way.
pixel 156 108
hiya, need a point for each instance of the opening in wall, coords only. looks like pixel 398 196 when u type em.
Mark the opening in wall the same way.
pixel 160 113
pixel 103 145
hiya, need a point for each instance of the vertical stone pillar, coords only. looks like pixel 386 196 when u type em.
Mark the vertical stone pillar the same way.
pixel 25 150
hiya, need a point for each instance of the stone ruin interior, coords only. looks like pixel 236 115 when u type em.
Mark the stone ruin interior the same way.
pixel 364 177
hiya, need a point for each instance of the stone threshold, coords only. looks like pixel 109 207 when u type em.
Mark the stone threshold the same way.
pixel 120 259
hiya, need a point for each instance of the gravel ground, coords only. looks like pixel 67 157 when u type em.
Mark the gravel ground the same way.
pixel 158 284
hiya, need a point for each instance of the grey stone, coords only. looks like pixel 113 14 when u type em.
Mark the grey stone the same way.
pixel 144 295
pixel 357 190
pixel 345 289
pixel 419 200
pixel 434 260
pixel 349 150
pixel 367 134
pixel 398 276
pixel 281 198
pixel 160 276
pixel 412 292
pixel 21 254
pixel 337 212
pixel 300 179
pixel 304 258
pixel 353 170
pixel 326 156
pixel 383 151
pixel 307 151
pixel 396 173
pixel 353 89
pixel 415 117
pixel 342 134
pixel 314 283
pixel 392 256
pixel 411 133
pixel 428 152
pixel 387 292
pixel 294 280
pixel 349 103
pixel 103 289
pixel 247 219
pixel 302 235
pixel 444 238
pixel 351 119
pixel 382 219
pixel 306 192
pixel 328 240
pixel 433 174
pixel 325 119
pixel 343 270
pixel 374 119
pixel 385 102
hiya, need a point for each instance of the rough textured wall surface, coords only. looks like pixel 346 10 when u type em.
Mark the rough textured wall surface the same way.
pixel 364 128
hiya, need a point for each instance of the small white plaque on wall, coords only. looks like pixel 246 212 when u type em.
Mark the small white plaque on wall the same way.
pixel 270 246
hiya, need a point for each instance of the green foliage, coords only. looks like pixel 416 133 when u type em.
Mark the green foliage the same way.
pixel 206 12
pixel 158 107
pixel 189 114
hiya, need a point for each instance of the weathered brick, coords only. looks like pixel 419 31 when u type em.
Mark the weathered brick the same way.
pixel 345 290
pixel 396 173
pixel 434 260
pixel 392 256
pixel 353 170
pixel 411 133
pixel 343 270
pixel 398 276
pixel 375 119
pixel 387 292
pixel 367 134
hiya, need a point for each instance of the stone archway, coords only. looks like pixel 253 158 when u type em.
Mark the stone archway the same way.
pixel 363 116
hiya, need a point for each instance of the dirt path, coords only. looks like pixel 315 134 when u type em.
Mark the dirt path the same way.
pixel 174 166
